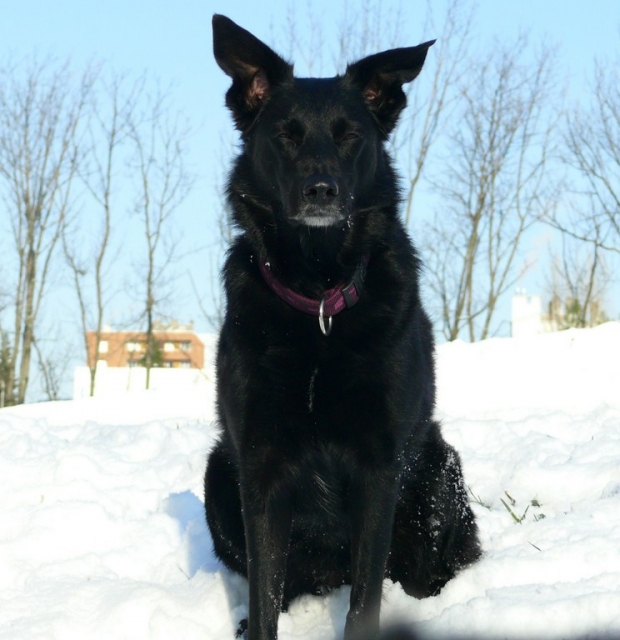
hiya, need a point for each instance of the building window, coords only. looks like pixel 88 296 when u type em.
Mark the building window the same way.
pixel 133 346
pixel 186 345
pixel 133 363
pixel 168 346
pixel 185 364
pixel 103 346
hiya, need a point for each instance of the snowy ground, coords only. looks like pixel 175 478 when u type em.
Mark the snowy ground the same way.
pixel 102 532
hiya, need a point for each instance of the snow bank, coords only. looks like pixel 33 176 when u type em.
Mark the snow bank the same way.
pixel 102 530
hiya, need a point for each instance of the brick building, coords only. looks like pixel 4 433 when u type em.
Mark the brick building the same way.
pixel 176 348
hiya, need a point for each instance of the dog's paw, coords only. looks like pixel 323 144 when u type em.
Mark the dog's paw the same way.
pixel 242 629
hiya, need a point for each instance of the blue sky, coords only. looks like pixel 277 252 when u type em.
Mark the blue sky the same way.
pixel 173 42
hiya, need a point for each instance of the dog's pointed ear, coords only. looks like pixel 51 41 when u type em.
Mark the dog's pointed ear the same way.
pixel 380 77
pixel 254 68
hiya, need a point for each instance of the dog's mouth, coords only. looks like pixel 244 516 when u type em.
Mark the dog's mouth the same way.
pixel 315 216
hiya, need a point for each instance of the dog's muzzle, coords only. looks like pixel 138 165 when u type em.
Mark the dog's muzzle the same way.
pixel 320 205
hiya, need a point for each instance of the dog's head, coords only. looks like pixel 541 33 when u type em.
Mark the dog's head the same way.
pixel 315 145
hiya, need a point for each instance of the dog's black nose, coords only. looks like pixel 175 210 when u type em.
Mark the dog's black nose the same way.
pixel 320 189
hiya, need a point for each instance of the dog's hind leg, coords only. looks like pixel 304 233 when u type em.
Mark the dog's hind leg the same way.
pixel 435 534
pixel 223 508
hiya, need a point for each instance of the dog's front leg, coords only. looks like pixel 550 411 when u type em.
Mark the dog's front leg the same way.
pixel 267 522
pixel 372 505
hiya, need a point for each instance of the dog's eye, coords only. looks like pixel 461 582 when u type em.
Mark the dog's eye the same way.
pixel 347 136
pixel 290 132
pixel 344 130
pixel 289 138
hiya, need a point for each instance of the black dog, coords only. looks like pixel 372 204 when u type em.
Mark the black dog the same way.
pixel 329 469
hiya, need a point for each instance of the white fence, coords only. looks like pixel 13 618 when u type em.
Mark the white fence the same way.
pixel 114 381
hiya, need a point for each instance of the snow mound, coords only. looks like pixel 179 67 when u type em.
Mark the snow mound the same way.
pixel 102 531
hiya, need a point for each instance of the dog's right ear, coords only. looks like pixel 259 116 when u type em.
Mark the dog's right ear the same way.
pixel 254 68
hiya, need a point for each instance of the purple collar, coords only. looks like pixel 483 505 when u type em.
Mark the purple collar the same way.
pixel 332 301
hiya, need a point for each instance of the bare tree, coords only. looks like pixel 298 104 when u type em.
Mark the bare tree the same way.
pixel 431 107
pixel 212 307
pixel 592 153
pixel 6 369
pixel 363 30
pixel 308 49
pixel 157 136
pixel 40 114
pixel 578 280
pixel 53 366
pixel 88 257
pixel 495 185
pixel 590 216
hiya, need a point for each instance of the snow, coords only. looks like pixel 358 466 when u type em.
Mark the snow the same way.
pixel 102 531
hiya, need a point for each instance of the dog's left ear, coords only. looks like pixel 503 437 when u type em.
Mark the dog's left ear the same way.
pixel 380 77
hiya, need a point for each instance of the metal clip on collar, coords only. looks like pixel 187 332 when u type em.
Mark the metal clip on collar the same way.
pixel 324 330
